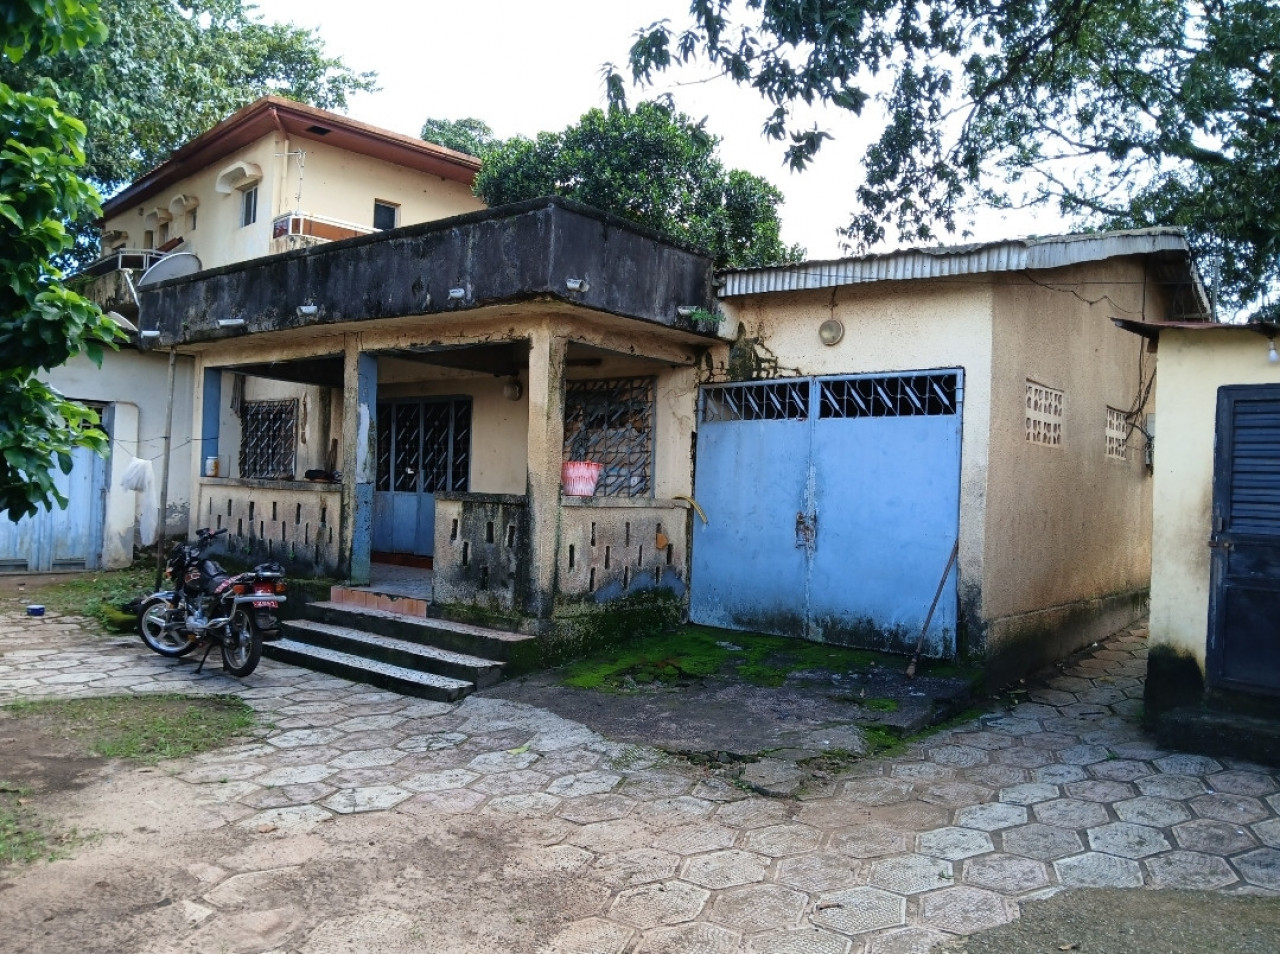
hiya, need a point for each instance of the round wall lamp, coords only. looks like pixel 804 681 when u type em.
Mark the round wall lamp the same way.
pixel 512 389
pixel 831 331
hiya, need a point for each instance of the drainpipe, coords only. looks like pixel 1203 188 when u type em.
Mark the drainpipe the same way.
pixel 164 475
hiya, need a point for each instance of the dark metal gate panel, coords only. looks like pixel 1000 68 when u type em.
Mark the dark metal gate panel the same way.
pixel 1244 602
pixel 58 539
pixel 423 447
pixel 886 460
pixel 752 472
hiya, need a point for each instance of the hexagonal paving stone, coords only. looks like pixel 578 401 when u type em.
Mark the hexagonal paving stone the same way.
pixel 1071 813
pixel 368 758
pixel 1260 867
pixel 758 907
pixel 810 940
pixel 1084 755
pixel 724 869
pixel 1029 793
pixel 1094 870
pixel 375 798
pixel 956 794
pixel 625 869
pixel 858 910
pixel 1171 786
pixel 1235 809
pixel 1043 842
pixel 594 808
pixel 527 805
pixel 590 936
pixel 298 818
pixel 922 772
pixel 1058 774
pixel 779 841
pixel 954 843
pixel 584 783
pixel 456 801
pixel 870 841
pixel 1148 810
pixel 1127 840
pixel 1189 870
pixel 1268 831
pixel 301 737
pixel 519 782
pixel 963 910
pixel 1183 764
pixel 997 776
pixel 1239 782
pixel 911 940
pixel 439 781
pixel 366 723
pixel 958 756
pixel 695 839
pixel 432 743
pixel 1099 790
pixel 660 902
pixel 491 762
pixel 1120 770
pixel 1008 874
pixel 294 775
pixel 1024 757
pixel 911 874
pixel 876 791
pixel 910 816
pixel 675 811
pixel 992 816
pixel 691 939
pixel 821 872
pixel 1214 837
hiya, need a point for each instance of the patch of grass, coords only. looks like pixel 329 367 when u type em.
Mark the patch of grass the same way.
pixel 144 728
pixel 694 652
pixel 881 705
pixel 23 837
pixel 99 595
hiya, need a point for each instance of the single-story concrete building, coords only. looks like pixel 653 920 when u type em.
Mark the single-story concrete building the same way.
pixel 820 450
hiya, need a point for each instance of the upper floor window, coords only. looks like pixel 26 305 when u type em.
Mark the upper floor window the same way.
pixel 386 215
pixel 249 206
pixel 191 220
pixel 164 232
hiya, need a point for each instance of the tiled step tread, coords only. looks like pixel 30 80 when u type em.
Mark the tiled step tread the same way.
pixel 467 629
pixel 445 683
pixel 399 645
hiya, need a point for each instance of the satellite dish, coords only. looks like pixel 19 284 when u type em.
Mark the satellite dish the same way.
pixel 173 265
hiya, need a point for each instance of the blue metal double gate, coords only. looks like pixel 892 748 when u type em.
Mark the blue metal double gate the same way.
pixel 833 505
pixel 58 539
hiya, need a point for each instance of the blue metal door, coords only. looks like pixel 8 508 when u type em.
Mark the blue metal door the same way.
pixel 752 470
pixel 833 506
pixel 1244 646
pixel 423 447
pixel 59 539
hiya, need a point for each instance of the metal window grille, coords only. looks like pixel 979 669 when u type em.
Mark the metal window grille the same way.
pixel 611 422
pixel 424 446
pixel 1044 414
pixel 268 432
pixel 760 401
pixel 917 395
pixel 1117 434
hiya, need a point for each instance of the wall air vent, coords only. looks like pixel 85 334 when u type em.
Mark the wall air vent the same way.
pixel 318 130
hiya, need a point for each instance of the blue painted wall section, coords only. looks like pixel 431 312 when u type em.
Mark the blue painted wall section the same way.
pixel 209 415
pixel 366 465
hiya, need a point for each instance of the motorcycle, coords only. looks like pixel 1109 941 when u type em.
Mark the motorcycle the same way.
pixel 208 606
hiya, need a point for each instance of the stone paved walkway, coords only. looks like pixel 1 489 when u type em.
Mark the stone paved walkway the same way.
pixel 1061 790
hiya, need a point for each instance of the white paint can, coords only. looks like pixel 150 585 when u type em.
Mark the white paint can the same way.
pixel 211 467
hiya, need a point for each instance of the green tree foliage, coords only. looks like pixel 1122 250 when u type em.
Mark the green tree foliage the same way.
pixel 42 322
pixel 170 70
pixel 1124 113
pixel 469 135
pixel 653 166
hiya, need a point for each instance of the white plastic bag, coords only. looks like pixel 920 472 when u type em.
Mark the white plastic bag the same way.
pixel 140 477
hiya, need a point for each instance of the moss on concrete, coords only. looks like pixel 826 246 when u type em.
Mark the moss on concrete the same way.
pixel 1174 680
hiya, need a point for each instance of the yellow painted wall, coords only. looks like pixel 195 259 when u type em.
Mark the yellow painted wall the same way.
pixel 1192 366
pixel 893 327
pixel 334 183
pixel 1066 524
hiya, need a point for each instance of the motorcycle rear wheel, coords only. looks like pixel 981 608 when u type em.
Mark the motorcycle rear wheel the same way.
pixel 242 645
pixel 152 619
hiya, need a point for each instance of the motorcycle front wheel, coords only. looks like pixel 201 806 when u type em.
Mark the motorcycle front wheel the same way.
pixel 159 637
pixel 242 645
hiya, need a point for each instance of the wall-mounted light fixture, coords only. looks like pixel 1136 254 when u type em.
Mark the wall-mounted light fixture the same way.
pixel 831 331
pixel 512 389
pixel 231 322
pixel 1272 356
pixel 307 310
pixel 577 285
pixel 149 333
pixel 686 311
pixel 457 294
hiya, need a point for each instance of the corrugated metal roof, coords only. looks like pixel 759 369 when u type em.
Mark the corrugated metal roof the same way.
pixel 949 261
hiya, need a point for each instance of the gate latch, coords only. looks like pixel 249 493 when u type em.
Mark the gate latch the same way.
pixel 806 530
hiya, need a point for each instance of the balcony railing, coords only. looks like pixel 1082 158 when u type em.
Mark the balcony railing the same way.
pixel 299 229
pixel 139 259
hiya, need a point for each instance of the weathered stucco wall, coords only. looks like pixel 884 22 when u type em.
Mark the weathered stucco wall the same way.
pixel 136 382
pixel 894 327
pixel 1068 528
pixel 1193 365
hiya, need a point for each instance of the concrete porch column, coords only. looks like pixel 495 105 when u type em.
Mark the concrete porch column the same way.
pixel 546 450
pixel 359 459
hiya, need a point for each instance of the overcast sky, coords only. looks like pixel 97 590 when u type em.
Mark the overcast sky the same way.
pixel 525 66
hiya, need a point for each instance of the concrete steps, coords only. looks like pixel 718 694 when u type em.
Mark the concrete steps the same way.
pixel 404 652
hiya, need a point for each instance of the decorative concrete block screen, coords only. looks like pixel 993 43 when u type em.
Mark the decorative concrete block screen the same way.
pixel 608 550
pixel 611 422
pixel 1117 434
pixel 1044 414
pixel 295 523
pixel 480 540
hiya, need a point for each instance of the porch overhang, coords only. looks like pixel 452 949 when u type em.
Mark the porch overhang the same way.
pixel 546 249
